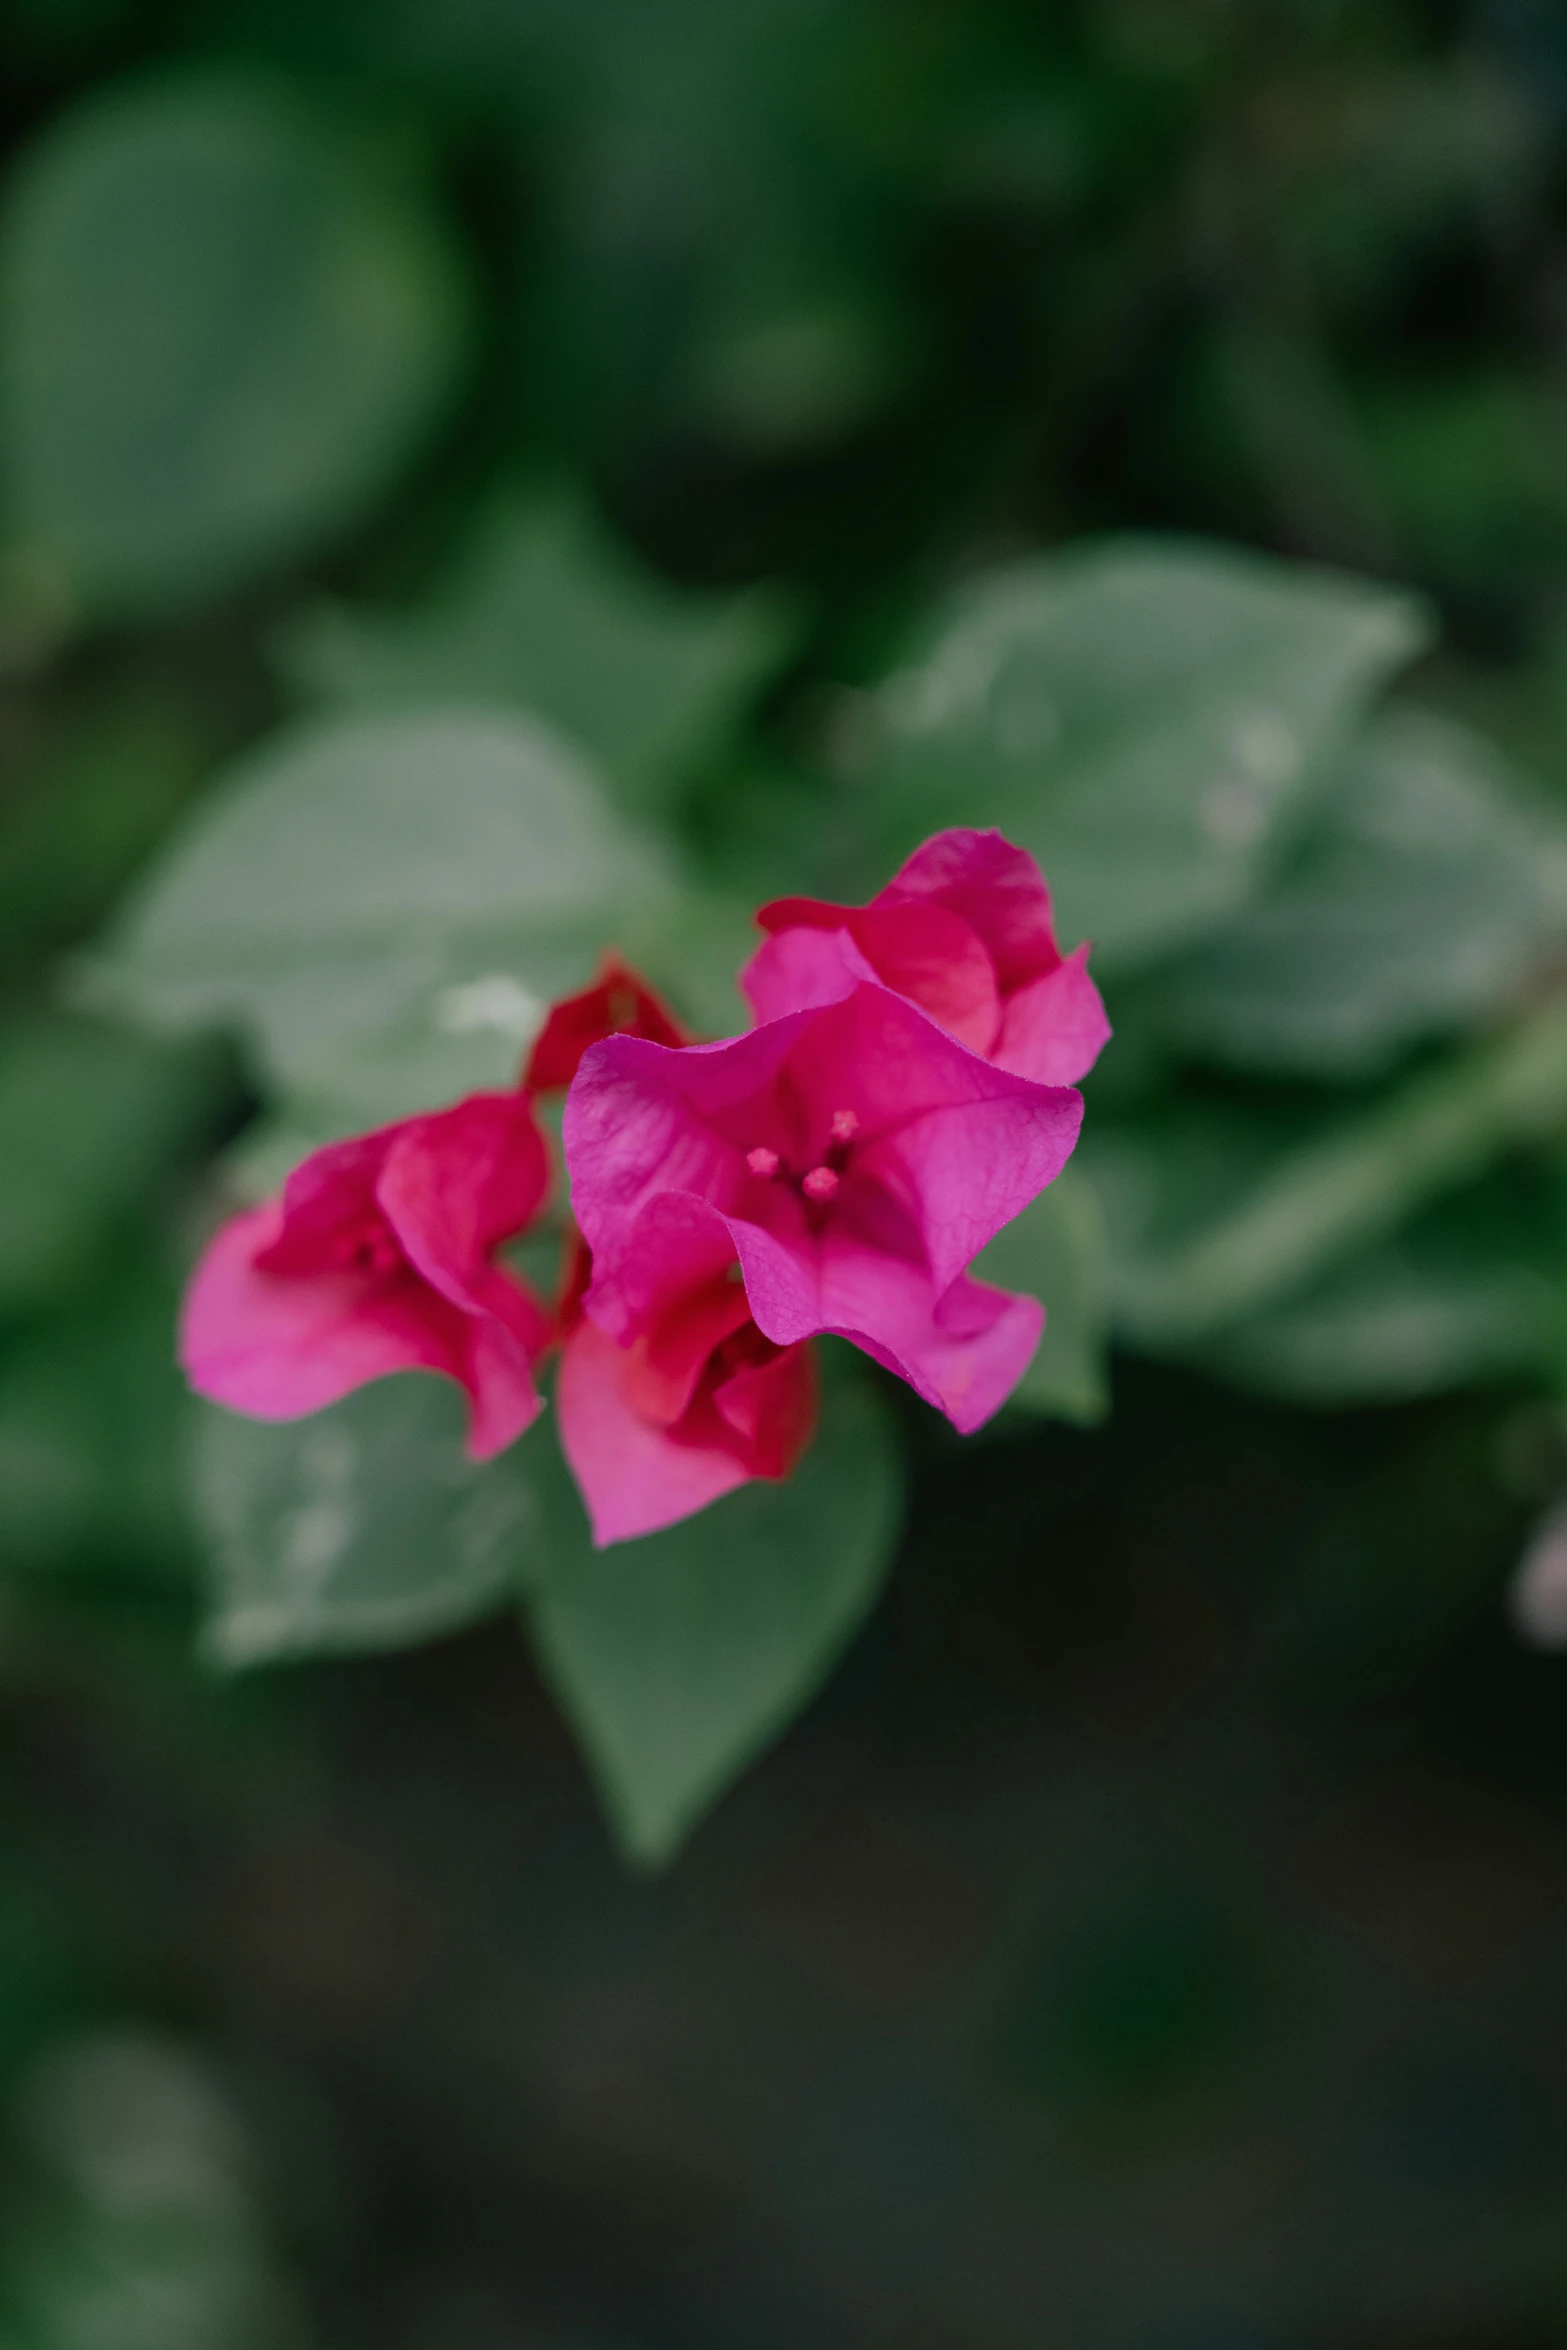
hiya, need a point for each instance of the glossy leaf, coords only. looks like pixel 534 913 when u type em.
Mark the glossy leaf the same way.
pixel 222 335
pixel 362 1527
pixel 543 610
pixel 679 1656
pixel 1144 716
pixel 384 905
pixel 1425 888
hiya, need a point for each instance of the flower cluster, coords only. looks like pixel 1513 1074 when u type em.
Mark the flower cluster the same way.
pixel 905 1091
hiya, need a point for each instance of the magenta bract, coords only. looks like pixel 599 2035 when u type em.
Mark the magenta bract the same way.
pixel 379 1257
pixel 853 1158
pixel 964 930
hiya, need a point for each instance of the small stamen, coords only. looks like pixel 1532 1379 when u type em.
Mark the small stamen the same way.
pixel 820 1184
pixel 762 1161
pixel 845 1126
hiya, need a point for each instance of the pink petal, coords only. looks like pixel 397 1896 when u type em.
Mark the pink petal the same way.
pixel 933 957
pixel 772 1408
pixel 666 1362
pixel 950 1149
pixel 332 1192
pixel 781 914
pixel 618 1003
pixel 920 951
pixel 497 1374
pixel 797 969
pixel 675 1243
pixel 963 1145
pixel 278 1345
pixel 997 889
pixel 963 1350
pixel 1055 1028
pixel 633 1476
pixel 642 1120
pixel 455 1184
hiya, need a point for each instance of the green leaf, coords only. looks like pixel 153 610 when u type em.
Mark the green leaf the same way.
pixel 89 1121
pixel 543 610
pixel 362 1527
pixel 1214 1218
pixel 92 1413
pixel 223 332
pixel 137 2214
pixel 1057 1251
pixel 680 1656
pixel 1443 1305
pixel 384 905
pixel 1421 895
pixel 1144 717
pixel 85 809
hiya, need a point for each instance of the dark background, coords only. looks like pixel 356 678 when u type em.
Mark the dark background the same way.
pixel 1157 1933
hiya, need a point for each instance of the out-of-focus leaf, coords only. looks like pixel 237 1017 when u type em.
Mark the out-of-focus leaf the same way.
pixel 1056 1251
pixel 1472 469
pixel 143 2228
pixel 1143 717
pixel 223 331
pixel 89 1119
pixel 1421 895
pixel 543 610
pixel 385 904
pixel 1213 1219
pixel 92 1418
pixel 1431 140
pixel 362 1527
pixel 679 1656
pixel 1472 1292
pixel 87 807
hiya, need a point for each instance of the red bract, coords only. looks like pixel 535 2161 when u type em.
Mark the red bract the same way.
pixel 619 1003
pixel 698 1403
pixel 963 930
pixel 379 1257
pixel 853 1158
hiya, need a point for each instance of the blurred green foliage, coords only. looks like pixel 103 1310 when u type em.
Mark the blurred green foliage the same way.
pixel 477 481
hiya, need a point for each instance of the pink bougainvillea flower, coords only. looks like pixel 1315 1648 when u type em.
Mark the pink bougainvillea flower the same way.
pixel 698 1403
pixel 853 1158
pixel 963 930
pixel 379 1257
pixel 618 1003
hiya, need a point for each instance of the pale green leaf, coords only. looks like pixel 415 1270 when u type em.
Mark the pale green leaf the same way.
pixel 1213 1219
pixel 679 1656
pixel 1144 717
pixel 223 331
pixel 384 905
pixel 544 611
pixel 1424 890
pixel 362 1527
